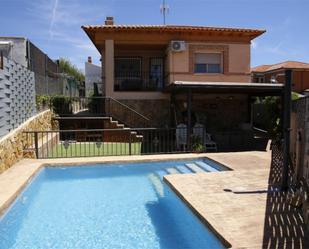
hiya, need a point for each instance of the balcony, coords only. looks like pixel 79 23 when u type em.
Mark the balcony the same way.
pixel 138 81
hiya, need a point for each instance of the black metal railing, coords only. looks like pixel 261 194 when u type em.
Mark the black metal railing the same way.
pixel 99 106
pixel 138 81
pixel 1 60
pixel 105 142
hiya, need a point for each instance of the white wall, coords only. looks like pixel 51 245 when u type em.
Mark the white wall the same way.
pixel 92 75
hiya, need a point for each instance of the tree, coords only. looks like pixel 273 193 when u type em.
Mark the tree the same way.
pixel 67 67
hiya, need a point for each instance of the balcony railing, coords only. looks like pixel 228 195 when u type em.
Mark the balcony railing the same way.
pixel 138 81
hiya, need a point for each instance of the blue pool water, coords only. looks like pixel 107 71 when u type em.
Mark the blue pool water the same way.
pixel 111 206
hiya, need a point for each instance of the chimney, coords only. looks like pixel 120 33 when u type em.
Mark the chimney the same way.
pixel 109 20
pixel 89 59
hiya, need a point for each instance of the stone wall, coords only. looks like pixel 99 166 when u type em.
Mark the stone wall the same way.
pixel 156 110
pixel 11 145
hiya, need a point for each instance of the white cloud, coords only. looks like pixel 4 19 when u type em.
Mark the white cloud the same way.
pixel 53 16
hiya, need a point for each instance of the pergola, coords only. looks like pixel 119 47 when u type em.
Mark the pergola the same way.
pixel 251 89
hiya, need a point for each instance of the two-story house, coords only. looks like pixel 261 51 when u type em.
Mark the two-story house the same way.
pixel 162 70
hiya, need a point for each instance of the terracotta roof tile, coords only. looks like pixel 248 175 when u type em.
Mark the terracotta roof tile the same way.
pixel 169 28
pixel 282 65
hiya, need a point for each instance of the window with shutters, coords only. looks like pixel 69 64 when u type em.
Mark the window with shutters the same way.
pixel 208 63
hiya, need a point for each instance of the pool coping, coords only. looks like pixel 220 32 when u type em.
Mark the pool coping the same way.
pixel 201 218
pixel 35 165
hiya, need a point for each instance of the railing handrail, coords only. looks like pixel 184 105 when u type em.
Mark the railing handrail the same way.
pixel 129 108
pixel 115 100
pixel 109 109
pixel 99 130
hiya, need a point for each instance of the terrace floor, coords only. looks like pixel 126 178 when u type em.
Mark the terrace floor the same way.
pixel 236 204
pixel 239 205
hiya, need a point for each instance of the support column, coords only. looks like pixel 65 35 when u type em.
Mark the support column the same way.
pixel 189 121
pixel 286 127
pixel 109 68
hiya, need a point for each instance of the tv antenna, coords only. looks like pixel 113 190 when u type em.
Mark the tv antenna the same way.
pixel 164 10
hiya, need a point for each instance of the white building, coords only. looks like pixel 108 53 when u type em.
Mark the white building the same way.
pixel 93 78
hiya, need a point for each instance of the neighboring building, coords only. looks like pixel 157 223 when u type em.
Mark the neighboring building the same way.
pixel 275 74
pixel 24 52
pixel 48 78
pixel 93 78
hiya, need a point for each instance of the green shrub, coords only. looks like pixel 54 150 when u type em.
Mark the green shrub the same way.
pixel 197 144
pixel 42 101
pixel 61 104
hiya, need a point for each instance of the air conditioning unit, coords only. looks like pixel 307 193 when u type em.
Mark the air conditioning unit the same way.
pixel 178 46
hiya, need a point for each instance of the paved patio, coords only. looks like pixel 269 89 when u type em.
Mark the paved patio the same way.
pixel 235 204
pixel 238 204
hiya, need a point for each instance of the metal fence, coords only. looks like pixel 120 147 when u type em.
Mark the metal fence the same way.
pixel 1 60
pixel 108 142
pixel 138 81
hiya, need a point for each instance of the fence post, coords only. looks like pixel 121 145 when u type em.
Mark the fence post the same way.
pixel 286 128
pixel 36 144
pixel 130 143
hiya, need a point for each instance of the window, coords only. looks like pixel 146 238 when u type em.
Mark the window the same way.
pixel 207 63
pixel 128 67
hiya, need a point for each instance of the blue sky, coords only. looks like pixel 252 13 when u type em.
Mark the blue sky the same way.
pixel 54 25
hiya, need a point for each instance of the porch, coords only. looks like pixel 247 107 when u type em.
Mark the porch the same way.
pixel 223 110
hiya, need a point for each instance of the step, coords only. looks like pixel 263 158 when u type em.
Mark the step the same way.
pixel 157 184
pixel 161 173
pixel 206 166
pixel 217 166
pixel 195 168
pixel 172 171
pixel 184 169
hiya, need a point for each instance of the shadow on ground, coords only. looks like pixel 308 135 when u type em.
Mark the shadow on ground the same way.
pixel 284 226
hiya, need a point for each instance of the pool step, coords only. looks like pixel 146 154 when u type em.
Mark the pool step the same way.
pixel 157 184
pixel 195 168
pixel 183 169
pixel 206 167
pixel 161 173
pixel 172 171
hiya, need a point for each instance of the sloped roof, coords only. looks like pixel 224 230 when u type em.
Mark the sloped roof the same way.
pixel 172 28
pixel 282 65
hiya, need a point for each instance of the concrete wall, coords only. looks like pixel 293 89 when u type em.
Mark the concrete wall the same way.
pixel 17 96
pixel 45 70
pixel 18 50
pixel 12 145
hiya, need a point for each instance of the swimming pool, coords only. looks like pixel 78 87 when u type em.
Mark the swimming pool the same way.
pixel 110 206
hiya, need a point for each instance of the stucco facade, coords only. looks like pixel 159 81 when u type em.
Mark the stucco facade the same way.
pixel 142 43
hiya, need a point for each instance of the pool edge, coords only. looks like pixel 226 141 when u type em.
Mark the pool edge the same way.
pixel 204 221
